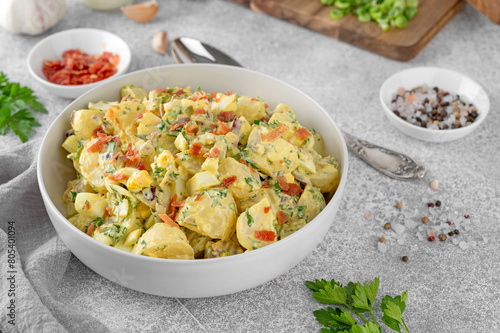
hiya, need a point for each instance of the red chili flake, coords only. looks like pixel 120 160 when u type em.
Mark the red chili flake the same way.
pixel 222 129
pixel 118 177
pixel 226 116
pixel 283 183
pixel 267 209
pixel 78 68
pixel 282 217
pixel 192 129
pixel 302 134
pixel 293 189
pixel 196 149
pixel 276 133
pixel 265 235
pixel 228 181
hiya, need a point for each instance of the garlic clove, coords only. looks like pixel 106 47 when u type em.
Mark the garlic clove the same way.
pixel 141 12
pixel 159 42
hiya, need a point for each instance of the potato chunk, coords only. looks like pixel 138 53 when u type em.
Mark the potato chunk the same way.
pixel 246 183
pixel 255 226
pixel 164 241
pixel 210 213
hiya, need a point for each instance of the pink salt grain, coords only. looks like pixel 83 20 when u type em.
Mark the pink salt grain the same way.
pixel 369 216
pixel 435 185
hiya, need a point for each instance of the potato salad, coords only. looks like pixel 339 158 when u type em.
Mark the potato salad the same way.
pixel 180 175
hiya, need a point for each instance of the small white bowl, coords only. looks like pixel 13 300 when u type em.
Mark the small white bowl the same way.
pixel 190 278
pixel 90 41
pixel 445 79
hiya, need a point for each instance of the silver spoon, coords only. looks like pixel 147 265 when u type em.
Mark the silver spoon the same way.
pixel 388 162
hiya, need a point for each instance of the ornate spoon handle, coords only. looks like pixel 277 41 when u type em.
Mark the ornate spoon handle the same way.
pixel 389 162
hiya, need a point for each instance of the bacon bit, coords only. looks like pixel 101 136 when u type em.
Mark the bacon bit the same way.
pixel 178 204
pixel 192 129
pixel 196 149
pixel 267 209
pixel 180 92
pixel 100 144
pixel 214 152
pixel 115 156
pixel 174 155
pixel 226 116
pixel 266 119
pixel 87 205
pixel 243 161
pixel 302 133
pixel 213 95
pixel 198 95
pixel 282 217
pixel 222 129
pixel 276 133
pixel 117 177
pixel 168 220
pixel 283 183
pixel 253 99
pixel 78 68
pixel 266 106
pixel 109 211
pixel 262 137
pixel 293 189
pixel 229 93
pixel 252 170
pixel 172 202
pixel 97 130
pixel 140 116
pixel 199 111
pixel 175 126
pixel 228 181
pixel 198 197
pixel 265 235
pixel 125 97
pixel 90 229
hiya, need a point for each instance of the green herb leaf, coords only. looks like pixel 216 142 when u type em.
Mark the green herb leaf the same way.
pixel 331 294
pixel 393 309
pixel 16 106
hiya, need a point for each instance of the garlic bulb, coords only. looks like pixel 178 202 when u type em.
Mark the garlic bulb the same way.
pixel 31 17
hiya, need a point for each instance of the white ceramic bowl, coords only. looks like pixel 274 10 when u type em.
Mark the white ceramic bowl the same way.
pixel 190 278
pixel 91 41
pixel 445 79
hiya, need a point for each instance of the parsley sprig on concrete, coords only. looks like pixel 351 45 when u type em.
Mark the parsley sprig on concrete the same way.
pixel 17 105
pixel 359 299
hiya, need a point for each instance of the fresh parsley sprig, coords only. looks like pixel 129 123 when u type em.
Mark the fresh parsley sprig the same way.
pixel 359 299
pixel 17 105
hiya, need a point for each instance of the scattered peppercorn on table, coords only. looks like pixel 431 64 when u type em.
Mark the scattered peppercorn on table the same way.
pixel 436 238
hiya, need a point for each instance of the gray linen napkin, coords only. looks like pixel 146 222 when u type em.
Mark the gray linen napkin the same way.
pixel 33 258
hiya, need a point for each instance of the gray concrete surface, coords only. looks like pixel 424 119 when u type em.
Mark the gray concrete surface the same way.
pixel 451 288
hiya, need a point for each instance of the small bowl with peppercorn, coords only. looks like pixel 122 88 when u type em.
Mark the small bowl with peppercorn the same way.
pixel 434 104
pixel 72 62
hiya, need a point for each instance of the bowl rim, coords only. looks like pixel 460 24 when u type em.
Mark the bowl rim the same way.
pixel 75 231
pixel 59 34
pixel 421 130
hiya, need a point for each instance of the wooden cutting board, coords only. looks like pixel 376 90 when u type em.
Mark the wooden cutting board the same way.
pixel 398 44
